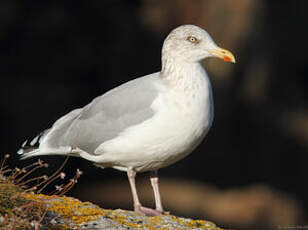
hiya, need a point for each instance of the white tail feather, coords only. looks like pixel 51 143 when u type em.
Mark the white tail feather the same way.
pixel 48 152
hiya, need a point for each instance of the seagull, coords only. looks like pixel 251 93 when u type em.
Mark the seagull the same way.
pixel 144 124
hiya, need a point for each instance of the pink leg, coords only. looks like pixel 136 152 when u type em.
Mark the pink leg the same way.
pixel 131 178
pixel 137 205
pixel 154 182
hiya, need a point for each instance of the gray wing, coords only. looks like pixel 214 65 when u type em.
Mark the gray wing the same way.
pixel 106 116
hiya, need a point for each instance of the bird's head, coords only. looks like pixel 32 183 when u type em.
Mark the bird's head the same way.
pixel 193 44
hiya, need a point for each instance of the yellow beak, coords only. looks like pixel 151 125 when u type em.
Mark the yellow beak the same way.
pixel 226 55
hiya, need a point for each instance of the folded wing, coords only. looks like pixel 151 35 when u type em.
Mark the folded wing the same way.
pixel 105 117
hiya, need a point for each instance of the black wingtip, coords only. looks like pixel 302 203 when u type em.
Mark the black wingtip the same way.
pixel 30 146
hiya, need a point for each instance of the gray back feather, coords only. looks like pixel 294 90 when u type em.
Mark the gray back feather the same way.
pixel 108 115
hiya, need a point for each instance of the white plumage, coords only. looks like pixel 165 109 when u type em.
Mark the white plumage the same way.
pixel 145 124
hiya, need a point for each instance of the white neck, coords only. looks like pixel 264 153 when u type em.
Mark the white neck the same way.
pixel 184 75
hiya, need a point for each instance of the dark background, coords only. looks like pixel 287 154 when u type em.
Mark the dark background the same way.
pixel 57 56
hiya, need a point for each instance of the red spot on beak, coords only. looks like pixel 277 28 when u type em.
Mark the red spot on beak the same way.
pixel 226 58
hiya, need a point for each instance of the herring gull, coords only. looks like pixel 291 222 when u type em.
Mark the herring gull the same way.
pixel 147 123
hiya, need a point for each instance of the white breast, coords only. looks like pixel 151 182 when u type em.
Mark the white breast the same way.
pixel 183 117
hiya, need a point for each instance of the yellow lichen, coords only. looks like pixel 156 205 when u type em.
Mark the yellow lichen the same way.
pixel 68 208
pixel 155 219
pixel 196 223
pixel 82 212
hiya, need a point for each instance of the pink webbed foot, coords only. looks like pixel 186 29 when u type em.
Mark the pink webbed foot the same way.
pixel 149 211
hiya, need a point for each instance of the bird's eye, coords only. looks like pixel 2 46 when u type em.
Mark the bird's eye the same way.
pixel 192 39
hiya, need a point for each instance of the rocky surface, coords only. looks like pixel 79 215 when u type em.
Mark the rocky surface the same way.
pixel 69 213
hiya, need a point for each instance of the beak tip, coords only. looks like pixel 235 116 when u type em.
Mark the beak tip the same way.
pixel 223 54
pixel 229 58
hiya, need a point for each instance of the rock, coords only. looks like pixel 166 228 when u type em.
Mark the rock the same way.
pixel 64 212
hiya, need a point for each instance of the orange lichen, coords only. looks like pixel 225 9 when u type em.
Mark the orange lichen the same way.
pixel 196 223
pixel 82 212
pixel 78 212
